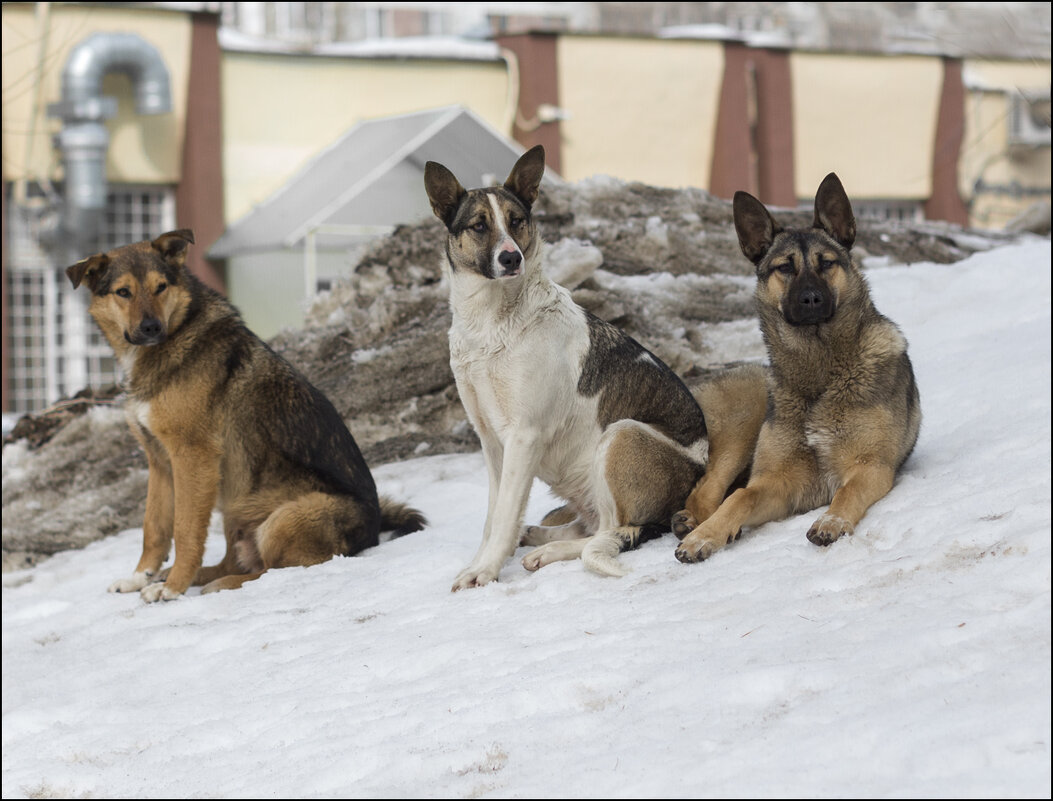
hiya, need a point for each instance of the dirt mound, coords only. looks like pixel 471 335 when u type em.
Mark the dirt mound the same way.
pixel 662 264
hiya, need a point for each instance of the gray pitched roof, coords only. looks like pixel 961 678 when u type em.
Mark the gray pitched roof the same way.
pixel 373 176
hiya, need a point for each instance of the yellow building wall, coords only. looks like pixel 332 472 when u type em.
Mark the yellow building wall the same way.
pixel 640 110
pixel 37 39
pixel 988 159
pixel 280 111
pixel 870 119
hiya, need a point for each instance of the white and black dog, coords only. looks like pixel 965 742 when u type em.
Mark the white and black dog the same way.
pixel 555 392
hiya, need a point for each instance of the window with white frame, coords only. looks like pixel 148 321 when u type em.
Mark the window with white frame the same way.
pixel 55 348
pixel 307 24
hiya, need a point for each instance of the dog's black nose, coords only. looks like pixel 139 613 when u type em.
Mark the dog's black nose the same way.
pixel 150 327
pixel 510 260
pixel 150 331
pixel 810 299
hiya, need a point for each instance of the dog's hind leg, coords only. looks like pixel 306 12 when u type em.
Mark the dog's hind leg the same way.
pixel 640 479
pixel 306 531
pixel 539 535
pixel 560 515
pixel 234 532
pixel 555 551
pixel 230 582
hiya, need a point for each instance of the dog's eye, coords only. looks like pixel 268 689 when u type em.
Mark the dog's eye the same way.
pixel 515 222
pixel 160 288
pixel 826 264
pixel 479 227
pixel 786 268
pixel 123 292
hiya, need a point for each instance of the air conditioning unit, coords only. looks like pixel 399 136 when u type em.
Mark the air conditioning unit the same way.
pixel 1029 119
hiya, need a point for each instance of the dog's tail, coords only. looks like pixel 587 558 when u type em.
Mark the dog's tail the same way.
pixel 600 554
pixel 398 518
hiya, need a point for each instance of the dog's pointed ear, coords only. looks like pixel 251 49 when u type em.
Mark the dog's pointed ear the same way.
pixel 87 270
pixel 833 212
pixel 754 225
pixel 444 191
pixel 525 178
pixel 173 244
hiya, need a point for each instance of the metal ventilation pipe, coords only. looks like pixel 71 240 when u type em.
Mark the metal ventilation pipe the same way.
pixel 84 139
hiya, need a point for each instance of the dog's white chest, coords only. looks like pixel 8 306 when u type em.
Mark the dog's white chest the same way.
pixel 491 388
pixel 128 359
pixel 138 413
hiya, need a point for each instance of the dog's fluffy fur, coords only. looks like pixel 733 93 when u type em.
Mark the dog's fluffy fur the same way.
pixel 843 413
pixel 555 393
pixel 224 420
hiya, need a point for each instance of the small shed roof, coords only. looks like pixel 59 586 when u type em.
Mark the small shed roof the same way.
pixel 372 176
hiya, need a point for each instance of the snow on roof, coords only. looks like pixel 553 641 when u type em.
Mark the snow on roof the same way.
pixel 428 47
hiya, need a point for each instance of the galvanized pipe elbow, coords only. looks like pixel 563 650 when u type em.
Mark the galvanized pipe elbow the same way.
pixel 129 53
pixel 84 140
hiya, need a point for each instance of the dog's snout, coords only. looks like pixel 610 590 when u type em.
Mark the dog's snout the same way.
pixel 150 327
pixel 811 303
pixel 510 260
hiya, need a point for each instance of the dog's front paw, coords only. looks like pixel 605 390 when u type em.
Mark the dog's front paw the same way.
pixel 473 577
pixel 136 582
pixel 828 529
pixel 683 524
pixel 158 592
pixel 702 543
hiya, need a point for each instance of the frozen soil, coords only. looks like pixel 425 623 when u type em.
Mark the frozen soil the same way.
pixel 662 264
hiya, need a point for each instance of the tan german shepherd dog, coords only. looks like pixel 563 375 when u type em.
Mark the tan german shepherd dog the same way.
pixel 843 409
pixel 225 421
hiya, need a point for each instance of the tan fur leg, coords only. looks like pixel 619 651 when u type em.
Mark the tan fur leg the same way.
pixel 865 484
pixel 157 526
pixel 734 404
pixel 723 468
pixel 195 477
pixel 206 575
pixel 231 582
pixel 771 495
pixel 235 527
pixel 210 573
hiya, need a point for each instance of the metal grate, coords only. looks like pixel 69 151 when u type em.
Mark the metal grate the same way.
pixel 878 210
pixel 56 350
pixel 909 211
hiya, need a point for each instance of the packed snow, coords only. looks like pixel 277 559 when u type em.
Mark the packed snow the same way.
pixel 909 660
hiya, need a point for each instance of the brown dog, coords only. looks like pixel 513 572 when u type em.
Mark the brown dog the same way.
pixel 843 413
pixel 225 421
